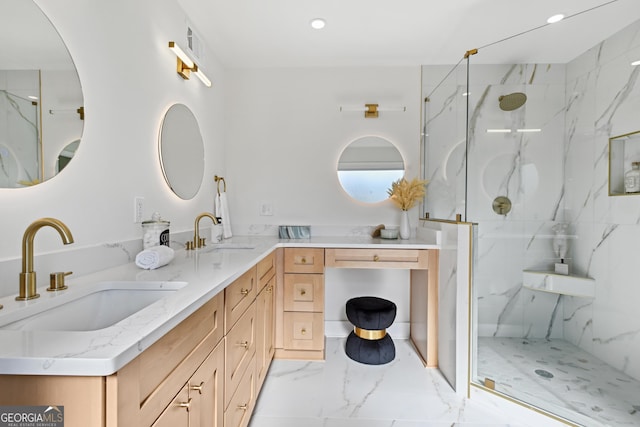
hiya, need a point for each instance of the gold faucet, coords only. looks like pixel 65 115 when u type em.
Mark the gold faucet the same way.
pixel 28 275
pixel 197 241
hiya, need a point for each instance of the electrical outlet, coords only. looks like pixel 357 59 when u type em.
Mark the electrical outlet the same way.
pixel 266 209
pixel 138 209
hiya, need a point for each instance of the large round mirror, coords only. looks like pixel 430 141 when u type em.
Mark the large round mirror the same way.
pixel 368 166
pixel 41 102
pixel 181 151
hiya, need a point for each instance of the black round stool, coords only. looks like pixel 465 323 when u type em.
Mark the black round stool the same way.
pixel 369 342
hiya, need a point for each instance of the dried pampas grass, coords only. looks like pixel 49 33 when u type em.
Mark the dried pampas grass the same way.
pixel 405 194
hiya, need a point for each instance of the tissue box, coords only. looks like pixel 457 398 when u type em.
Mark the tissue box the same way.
pixel 294 231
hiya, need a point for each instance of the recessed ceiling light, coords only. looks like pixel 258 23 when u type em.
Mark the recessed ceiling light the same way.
pixel 318 23
pixel 32 97
pixel 555 18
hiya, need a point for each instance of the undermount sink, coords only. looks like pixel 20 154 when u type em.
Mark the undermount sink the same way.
pixel 89 308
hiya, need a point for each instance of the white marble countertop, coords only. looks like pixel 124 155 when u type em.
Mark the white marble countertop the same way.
pixel 102 352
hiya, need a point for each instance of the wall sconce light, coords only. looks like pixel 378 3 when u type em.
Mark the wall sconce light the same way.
pixel 372 110
pixel 186 66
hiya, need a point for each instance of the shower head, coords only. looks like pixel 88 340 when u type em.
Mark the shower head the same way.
pixel 512 101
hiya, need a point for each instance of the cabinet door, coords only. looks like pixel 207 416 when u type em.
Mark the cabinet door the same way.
pixel 206 390
pixel 303 331
pixel 304 292
pixel 238 296
pixel 303 260
pixel 238 413
pixel 177 413
pixel 240 350
pixel 265 343
pixel 265 270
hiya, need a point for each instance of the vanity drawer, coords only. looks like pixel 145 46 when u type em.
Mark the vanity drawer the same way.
pixel 303 331
pixel 304 292
pixel 417 259
pixel 265 270
pixel 239 409
pixel 240 351
pixel 303 260
pixel 238 296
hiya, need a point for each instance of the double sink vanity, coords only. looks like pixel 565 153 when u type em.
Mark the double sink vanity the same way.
pixel 191 343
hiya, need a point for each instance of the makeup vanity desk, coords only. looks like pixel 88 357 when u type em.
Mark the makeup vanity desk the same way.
pixel 300 299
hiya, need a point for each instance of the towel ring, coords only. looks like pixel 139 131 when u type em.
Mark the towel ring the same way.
pixel 217 179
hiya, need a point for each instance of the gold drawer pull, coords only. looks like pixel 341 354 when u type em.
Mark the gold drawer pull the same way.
pixel 303 260
pixel 186 405
pixel 303 331
pixel 197 388
pixel 376 258
pixel 243 407
pixel 303 292
pixel 244 344
pixel 244 291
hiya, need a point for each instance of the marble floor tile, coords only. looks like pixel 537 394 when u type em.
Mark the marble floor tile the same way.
pixel 562 378
pixel 342 393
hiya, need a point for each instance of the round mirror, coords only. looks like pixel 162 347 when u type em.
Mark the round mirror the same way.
pixel 181 151
pixel 40 96
pixel 368 166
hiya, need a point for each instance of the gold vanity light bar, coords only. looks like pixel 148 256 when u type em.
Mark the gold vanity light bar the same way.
pixel 185 65
pixel 199 74
pixel 372 110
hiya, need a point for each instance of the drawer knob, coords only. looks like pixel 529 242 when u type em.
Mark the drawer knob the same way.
pixel 303 331
pixel 243 407
pixel 186 405
pixel 303 260
pixel 244 291
pixel 244 344
pixel 270 289
pixel 303 291
pixel 376 258
pixel 197 388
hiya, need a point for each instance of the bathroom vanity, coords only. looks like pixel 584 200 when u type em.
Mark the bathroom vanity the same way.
pixel 199 356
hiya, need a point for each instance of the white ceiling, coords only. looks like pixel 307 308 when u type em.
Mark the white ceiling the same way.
pixel 276 33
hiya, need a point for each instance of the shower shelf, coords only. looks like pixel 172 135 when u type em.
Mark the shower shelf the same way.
pixel 547 281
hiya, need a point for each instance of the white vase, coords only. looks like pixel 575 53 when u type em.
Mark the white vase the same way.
pixel 405 230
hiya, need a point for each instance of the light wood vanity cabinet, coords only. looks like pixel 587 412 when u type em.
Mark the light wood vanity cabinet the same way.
pixel 303 304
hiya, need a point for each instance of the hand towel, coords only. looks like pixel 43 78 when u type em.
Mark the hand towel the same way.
pixel 224 214
pixel 154 257
pixel 217 209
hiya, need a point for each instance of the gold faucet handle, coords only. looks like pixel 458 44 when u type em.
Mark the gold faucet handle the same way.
pixel 56 281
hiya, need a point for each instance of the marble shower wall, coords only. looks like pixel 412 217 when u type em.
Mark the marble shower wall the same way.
pixel 19 147
pixel 603 100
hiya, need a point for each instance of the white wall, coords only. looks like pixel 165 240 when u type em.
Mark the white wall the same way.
pixel 286 133
pixel 129 80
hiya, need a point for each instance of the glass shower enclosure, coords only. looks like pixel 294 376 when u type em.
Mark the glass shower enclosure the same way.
pixel 523 151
